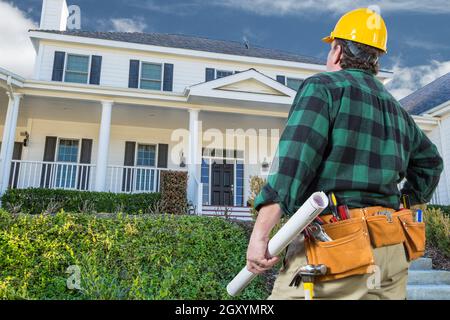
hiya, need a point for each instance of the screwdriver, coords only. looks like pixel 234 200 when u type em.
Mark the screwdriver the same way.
pixel 333 205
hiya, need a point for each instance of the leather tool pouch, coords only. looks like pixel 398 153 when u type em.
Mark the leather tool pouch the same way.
pixel 348 254
pixel 414 234
pixel 385 230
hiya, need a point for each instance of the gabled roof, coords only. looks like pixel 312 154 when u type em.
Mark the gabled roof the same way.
pixel 426 98
pixel 249 88
pixel 192 43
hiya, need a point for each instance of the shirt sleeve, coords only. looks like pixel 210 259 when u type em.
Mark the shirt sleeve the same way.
pixel 300 149
pixel 424 168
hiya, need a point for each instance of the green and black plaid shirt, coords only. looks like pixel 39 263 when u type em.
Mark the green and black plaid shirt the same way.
pixel 346 133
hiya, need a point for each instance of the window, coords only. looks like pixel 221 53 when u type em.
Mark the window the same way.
pixel 146 155
pixel 222 73
pixel 151 76
pixel 294 84
pixel 66 173
pixel 77 69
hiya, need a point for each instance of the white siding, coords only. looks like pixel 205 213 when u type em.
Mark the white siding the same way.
pixel 187 71
pixel 440 138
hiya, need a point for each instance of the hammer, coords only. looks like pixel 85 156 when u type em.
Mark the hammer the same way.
pixel 307 274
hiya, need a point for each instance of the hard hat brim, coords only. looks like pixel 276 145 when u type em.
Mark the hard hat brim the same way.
pixel 328 39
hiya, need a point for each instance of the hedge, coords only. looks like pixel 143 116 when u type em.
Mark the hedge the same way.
pixel 37 200
pixel 125 257
pixel 173 192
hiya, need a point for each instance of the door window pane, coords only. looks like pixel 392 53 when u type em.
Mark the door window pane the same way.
pixel 77 69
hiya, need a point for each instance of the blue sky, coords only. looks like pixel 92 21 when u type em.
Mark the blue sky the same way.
pixel 418 30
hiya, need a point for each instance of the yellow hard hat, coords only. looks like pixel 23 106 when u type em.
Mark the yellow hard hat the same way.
pixel 362 25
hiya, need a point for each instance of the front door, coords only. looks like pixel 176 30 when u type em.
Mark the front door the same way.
pixel 222 184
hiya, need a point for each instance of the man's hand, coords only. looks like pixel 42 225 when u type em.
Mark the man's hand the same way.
pixel 258 259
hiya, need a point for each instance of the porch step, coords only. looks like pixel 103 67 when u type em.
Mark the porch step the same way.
pixel 421 264
pixel 240 213
pixel 424 283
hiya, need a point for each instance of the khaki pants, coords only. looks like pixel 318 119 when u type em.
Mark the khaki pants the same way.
pixel 387 282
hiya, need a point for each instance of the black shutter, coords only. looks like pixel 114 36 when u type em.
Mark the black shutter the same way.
pixel 163 153
pixel 85 171
pixel 58 66
pixel 168 77
pixel 281 79
pixel 127 177
pixel 209 74
pixel 49 156
pixel 133 80
pixel 15 166
pixel 96 68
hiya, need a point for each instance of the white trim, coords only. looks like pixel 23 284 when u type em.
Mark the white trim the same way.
pixel 439 110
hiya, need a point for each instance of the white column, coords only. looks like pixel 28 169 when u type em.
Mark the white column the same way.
pixel 103 146
pixel 9 134
pixel 193 156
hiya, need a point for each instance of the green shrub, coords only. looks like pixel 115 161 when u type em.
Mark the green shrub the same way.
pixel 36 200
pixel 173 192
pixel 256 185
pixel 125 257
pixel 438 229
pixel 444 209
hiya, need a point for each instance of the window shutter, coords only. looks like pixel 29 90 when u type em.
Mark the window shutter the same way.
pixel 96 67
pixel 15 167
pixel 163 153
pixel 127 177
pixel 49 156
pixel 209 74
pixel 168 77
pixel 85 171
pixel 58 66
pixel 281 79
pixel 133 80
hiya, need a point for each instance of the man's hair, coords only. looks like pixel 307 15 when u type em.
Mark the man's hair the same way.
pixel 359 56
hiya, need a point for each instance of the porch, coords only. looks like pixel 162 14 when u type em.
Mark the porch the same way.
pixel 87 141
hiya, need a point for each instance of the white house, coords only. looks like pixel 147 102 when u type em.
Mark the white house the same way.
pixel 108 111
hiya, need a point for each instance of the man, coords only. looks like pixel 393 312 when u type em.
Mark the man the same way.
pixel 345 133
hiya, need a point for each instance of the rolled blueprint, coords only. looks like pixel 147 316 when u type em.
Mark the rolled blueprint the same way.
pixel 315 204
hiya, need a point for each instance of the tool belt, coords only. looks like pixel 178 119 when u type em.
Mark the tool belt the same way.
pixel 350 251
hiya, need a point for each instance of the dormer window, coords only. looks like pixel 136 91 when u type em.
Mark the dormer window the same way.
pixel 77 69
pixel 151 76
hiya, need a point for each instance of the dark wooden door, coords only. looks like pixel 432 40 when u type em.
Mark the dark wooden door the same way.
pixel 222 184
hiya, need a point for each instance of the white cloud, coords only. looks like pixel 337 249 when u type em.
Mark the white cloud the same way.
pixel 406 80
pixel 293 7
pixel 128 25
pixel 16 51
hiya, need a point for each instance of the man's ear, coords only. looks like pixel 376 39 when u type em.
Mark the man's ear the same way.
pixel 337 54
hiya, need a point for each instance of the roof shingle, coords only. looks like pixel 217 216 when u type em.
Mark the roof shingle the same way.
pixel 192 43
pixel 428 97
